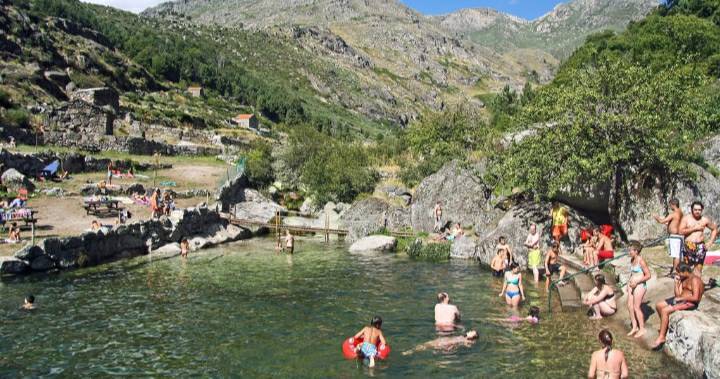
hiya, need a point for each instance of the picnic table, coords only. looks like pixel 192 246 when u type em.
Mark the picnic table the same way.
pixel 28 218
pixel 96 206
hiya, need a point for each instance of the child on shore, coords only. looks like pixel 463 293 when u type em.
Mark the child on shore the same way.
pixel 371 334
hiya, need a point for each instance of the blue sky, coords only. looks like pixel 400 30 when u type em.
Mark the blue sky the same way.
pixel 529 9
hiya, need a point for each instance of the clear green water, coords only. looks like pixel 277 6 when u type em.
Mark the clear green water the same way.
pixel 246 311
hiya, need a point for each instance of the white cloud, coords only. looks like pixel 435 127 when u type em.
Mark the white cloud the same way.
pixel 136 6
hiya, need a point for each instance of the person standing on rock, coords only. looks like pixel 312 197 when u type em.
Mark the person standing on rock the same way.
pixel 693 228
pixel 636 289
pixel 560 220
pixel 437 214
pixel 532 243
pixel 689 290
pixel 675 239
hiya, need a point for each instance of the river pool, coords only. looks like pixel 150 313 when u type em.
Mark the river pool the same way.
pixel 244 310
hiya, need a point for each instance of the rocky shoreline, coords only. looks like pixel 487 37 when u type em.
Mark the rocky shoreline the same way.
pixel 203 227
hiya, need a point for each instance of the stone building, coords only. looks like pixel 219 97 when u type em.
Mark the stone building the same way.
pixel 248 121
pixel 196 91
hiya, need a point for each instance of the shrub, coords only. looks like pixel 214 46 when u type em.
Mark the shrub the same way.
pixel 431 251
pixel 16 117
pixel 259 165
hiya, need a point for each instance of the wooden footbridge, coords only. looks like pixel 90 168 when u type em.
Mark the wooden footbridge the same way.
pixel 278 227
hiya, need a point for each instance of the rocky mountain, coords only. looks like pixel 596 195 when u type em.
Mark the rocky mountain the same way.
pixel 423 64
pixel 558 32
pixel 409 62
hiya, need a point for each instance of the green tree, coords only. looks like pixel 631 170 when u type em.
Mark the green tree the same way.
pixel 613 120
pixel 259 165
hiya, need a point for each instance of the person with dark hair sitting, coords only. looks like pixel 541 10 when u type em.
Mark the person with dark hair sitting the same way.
pixel 601 299
pixel 689 290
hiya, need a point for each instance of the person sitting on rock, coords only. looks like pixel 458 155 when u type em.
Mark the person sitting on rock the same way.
pixel 689 289
pixel 601 299
pixel 14 233
pixel 604 247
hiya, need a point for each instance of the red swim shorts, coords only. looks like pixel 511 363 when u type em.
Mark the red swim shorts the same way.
pixel 605 255
pixel 559 230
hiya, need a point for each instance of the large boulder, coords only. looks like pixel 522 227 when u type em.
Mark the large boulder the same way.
pixel 13 266
pixel 370 215
pixel 464 197
pixel 374 243
pixel 464 248
pixel 28 253
pixel 14 180
pixel 694 339
pixel 711 152
pixel 42 263
pixel 232 192
pixel 642 200
pixel 255 207
pixel 515 226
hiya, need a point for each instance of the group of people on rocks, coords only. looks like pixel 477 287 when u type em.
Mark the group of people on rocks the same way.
pixel 687 246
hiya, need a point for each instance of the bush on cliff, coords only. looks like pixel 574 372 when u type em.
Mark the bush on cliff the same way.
pixel 622 107
pixel 441 137
pixel 258 165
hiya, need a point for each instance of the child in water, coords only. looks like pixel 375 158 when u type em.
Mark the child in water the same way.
pixel 29 303
pixel 370 335
pixel 533 316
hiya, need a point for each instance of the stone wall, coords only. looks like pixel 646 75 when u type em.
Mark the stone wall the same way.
pixel 31 164
pixel 200 225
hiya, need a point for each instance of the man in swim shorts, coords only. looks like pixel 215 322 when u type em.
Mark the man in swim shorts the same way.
pixel 370 335
pixel 560 219
pixel 693 228
pixel 446 314
pixel 604 247
pixel 675 239
pixel 689 290
pixel 552 264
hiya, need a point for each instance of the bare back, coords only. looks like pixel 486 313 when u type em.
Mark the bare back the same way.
pixel 615 367
pixel 371 335
pixel 673 227
pixel 604 243
pixel 693 283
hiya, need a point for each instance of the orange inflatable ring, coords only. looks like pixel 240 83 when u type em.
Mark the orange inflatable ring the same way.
pixel 349 345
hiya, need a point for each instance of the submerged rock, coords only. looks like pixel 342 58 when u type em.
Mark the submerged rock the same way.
pixel 12 265
pixel 375 243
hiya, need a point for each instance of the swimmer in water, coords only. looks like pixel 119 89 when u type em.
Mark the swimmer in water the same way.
pixel 29 303
pixel 533 317
pixel 370 335
pixel 446 343
pixel 446 314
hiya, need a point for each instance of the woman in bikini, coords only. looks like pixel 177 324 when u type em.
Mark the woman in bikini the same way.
pixel 601 299
pixel 636 288
pixel 607 363
pixel 513 288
